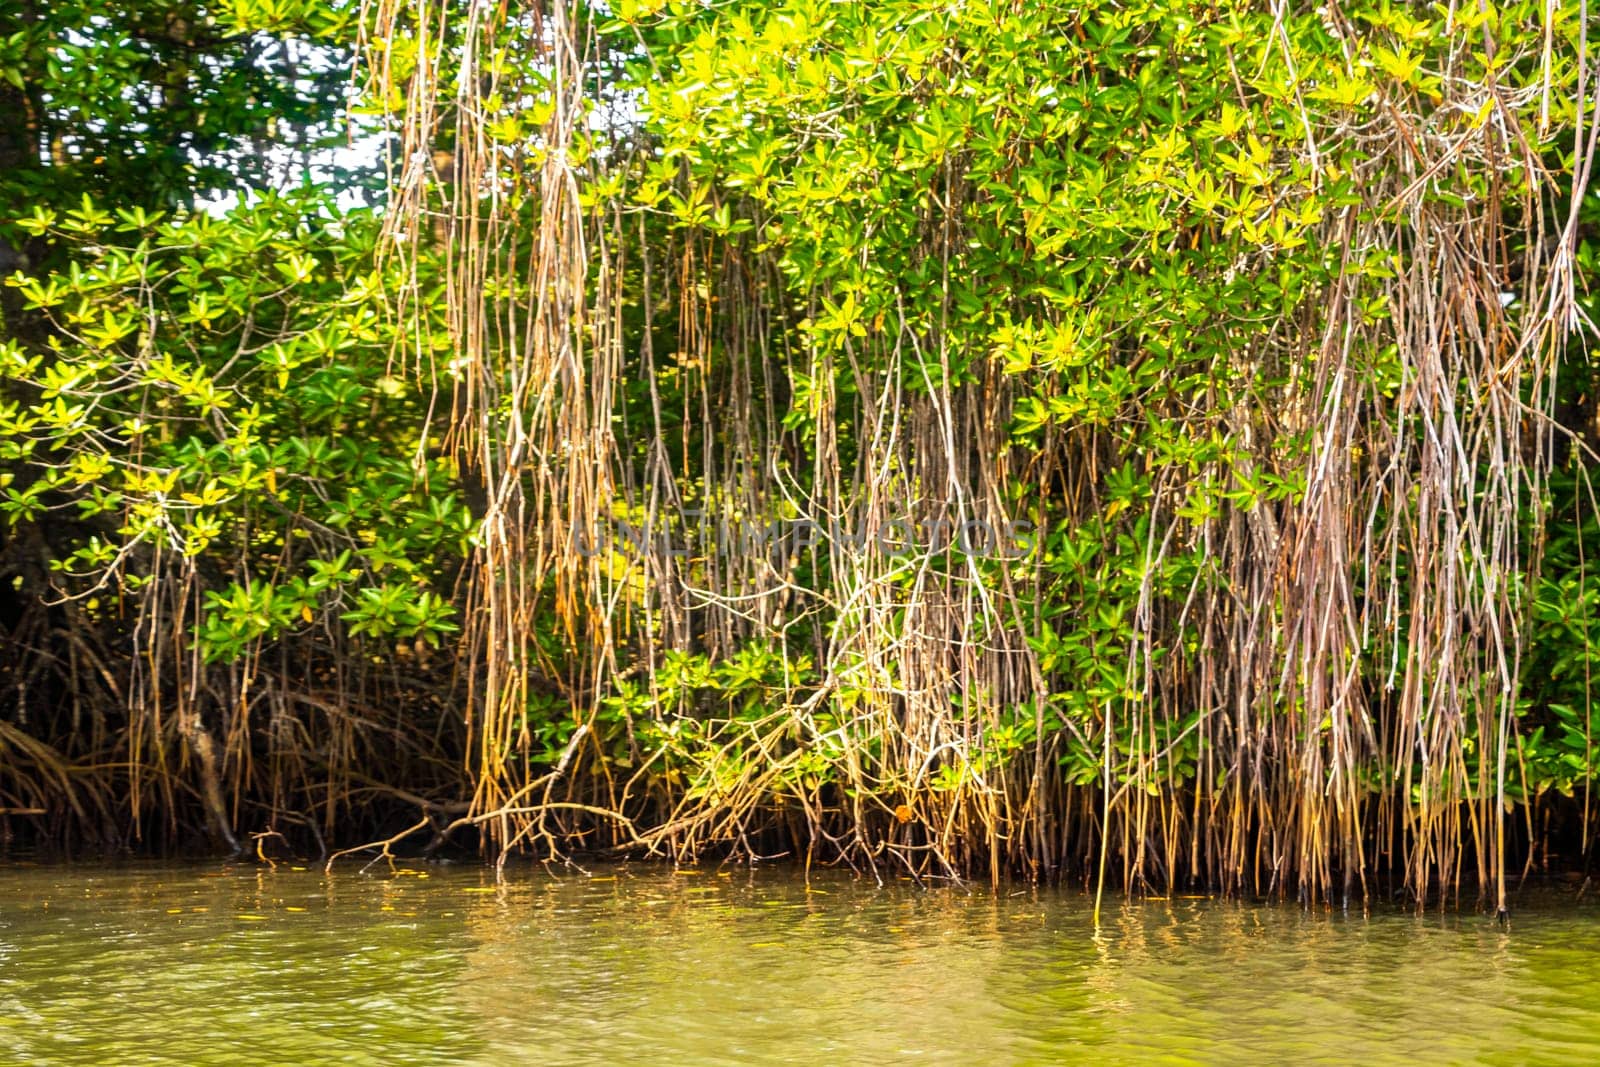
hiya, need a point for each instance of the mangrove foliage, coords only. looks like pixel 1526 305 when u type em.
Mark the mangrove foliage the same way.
pixel 1147 441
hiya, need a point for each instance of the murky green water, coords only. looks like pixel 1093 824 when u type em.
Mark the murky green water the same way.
pixel 214 964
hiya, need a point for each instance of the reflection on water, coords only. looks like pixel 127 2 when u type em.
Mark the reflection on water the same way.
pixel 194 965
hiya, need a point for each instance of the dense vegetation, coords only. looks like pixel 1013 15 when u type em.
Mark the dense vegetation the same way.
pixel 1144 441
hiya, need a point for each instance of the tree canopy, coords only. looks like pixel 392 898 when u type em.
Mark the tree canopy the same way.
pixel 1149 441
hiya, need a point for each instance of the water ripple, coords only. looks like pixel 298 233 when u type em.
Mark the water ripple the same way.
pixel 208 965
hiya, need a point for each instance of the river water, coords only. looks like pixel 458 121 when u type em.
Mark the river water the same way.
pixel 215 964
